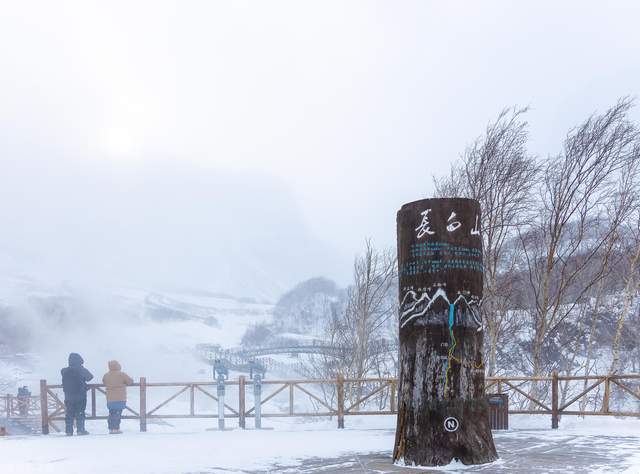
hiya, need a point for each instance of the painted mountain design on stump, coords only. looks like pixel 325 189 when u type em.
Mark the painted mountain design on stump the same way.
pixel 421 308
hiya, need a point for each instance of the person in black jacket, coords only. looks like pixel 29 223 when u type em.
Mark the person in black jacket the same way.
pixel 74 384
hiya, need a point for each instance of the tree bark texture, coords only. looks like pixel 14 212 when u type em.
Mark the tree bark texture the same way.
pixel 442 411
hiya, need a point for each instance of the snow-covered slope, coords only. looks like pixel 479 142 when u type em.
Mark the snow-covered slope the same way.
pixel 152 333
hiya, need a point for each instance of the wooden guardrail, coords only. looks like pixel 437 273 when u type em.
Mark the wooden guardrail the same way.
pixel 552 395
pixel 319 401
pixel 12 406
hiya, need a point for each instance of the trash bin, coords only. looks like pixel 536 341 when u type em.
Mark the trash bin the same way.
pixel 499 411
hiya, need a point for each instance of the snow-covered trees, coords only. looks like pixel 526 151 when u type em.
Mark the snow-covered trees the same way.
pixel 497 171
pixel 368 315
pixel 306 308
pixel 560 241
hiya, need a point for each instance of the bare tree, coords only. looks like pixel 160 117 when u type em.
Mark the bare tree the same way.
pixel 497 171
pixel 563 245
pixel 363 326
pixel 370 305
pixel 622 210
pixel 630 266
pixel 369 311
pixel 620 206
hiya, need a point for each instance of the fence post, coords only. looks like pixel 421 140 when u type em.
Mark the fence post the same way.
pixel 7 403
pixel 220 393
pixel 93 402
pixel 143 404
pixel 607 393
pixel 257 400
pixel 192 400
pixel 392 396
pixel 241 402
pixel 44 408
pixel 505 413
pixel 290 399
pixel 340 387
pixel 554 400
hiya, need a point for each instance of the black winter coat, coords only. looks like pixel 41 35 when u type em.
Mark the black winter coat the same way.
pixel 75 378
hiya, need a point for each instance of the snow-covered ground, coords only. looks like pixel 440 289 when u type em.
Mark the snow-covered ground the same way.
pixel 592 445
pixel 154 335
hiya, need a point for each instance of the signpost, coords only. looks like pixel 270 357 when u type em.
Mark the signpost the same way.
pixel 442 412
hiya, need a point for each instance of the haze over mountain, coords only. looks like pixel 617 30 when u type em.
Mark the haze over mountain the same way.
pixel 157 226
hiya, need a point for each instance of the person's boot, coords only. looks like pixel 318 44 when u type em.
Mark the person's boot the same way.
pixel 83 433
pixel 69 434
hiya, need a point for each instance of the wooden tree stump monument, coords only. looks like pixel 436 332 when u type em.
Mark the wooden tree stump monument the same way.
pixel 442 412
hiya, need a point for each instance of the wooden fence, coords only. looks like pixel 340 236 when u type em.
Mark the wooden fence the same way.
pixel 12 406
pixel 321 404
pixel 553 395
pixel 558 395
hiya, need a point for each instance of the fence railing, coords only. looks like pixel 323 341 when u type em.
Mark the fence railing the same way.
pixel 558 395
pixel 12 406
pixel 340 397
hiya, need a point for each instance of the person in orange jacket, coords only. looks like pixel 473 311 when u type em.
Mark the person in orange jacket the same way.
pixel 116 382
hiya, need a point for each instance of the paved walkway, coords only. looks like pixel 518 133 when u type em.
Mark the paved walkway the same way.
pixel 530 452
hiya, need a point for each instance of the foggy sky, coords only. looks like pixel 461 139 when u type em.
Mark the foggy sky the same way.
pixel 243 146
